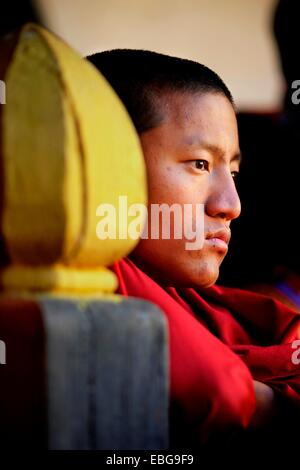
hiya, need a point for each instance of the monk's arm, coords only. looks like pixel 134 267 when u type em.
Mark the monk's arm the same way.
pixel 269 406
pixel 265 405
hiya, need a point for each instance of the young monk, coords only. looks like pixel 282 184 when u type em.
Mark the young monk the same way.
pixel 231 351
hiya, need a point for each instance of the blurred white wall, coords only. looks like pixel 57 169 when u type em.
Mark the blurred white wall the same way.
pixel 233 37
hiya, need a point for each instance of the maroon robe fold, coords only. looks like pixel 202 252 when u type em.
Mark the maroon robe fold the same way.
pixel 220 339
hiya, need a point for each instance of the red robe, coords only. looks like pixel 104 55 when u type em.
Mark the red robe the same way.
pixel 220 339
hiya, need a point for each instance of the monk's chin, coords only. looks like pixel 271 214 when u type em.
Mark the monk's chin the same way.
pixel 206 274
pixel 196 275
pixel 207 282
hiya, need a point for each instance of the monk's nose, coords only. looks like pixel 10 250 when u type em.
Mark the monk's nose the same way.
pixel 223 200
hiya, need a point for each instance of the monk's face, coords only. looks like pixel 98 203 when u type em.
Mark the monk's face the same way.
pixel 192 158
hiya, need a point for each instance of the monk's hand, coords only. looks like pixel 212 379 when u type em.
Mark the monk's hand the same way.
pixel 265 405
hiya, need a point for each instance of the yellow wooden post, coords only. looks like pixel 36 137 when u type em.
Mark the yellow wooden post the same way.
pixel 68 145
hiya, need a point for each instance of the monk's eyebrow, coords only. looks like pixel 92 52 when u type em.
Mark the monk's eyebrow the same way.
pixel 237 158
pixel 195 141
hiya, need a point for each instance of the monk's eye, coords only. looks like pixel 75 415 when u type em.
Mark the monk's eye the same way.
pixel 201 165
pixel 235 174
